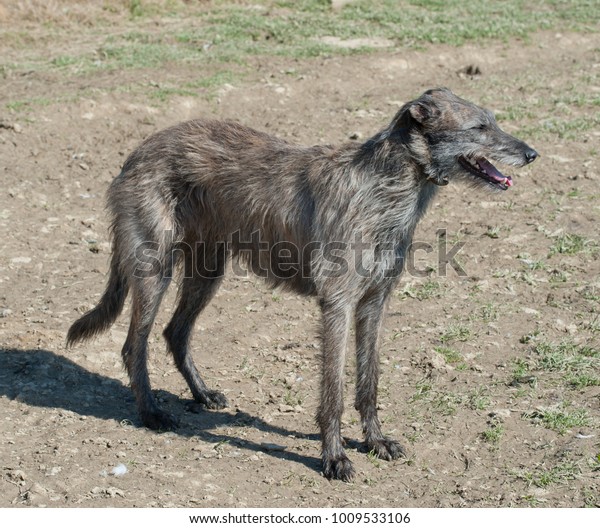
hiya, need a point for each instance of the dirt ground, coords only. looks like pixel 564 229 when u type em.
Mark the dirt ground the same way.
pixel 468 385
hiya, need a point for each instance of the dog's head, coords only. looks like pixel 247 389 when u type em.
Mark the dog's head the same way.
pixel 453 138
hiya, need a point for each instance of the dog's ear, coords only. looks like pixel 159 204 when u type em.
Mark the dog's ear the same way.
pixel 424 110
pixel 421 111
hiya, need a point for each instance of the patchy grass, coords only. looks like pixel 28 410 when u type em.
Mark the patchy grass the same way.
pixel 456 332
pixel 428 290
pixel 560 419
pixel 493 232
pixel 567 112
pixel 521 373
pixel 479 399
pixel 570 244
pixel 493 434
pixel 583 380
pixel 422 390
pixel 209 35
pixel 567 356
pixel 206 86
pixel 578 364
pixel 450 355
pixel 489 312
pixel 559 474
pixel 446 403
pixel 568 127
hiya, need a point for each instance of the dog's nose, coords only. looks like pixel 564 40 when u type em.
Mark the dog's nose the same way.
pixel 530 155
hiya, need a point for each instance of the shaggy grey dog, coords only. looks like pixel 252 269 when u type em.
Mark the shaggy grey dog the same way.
pixel 333 222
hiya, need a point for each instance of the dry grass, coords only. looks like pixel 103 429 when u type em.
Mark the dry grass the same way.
pixel 86 12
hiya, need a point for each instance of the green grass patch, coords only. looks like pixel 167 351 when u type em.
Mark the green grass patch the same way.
pixel 213 81
pixel 456 332
pixel 135 54
pixel 521 374
pixel 560 419
pixel 566 357
pixel 447 403
pixel 428 290
pixel 164 93
pixel 450 355
pixel 493 232
pixel 216 35
pixel 232 32
pixel 564 128
pixel 493 434
pixel 479 399
pixel 578 364
pixel 571 244
pixel 582 380
pixel 489 312
pixel 422 390
pixel 559 474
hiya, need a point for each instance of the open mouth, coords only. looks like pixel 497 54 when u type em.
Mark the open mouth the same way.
pixel 485 170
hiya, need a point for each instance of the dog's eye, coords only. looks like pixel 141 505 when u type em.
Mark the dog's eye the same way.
pixel 482 126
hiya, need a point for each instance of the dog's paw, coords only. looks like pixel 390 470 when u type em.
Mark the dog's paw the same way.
pixel 385 448
pixel 212 400
pixel 159 420
pixel 338 468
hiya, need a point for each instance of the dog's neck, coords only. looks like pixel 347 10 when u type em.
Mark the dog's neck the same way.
pixel 390 166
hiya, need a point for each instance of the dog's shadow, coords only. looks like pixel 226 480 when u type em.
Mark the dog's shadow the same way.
pixel 44 379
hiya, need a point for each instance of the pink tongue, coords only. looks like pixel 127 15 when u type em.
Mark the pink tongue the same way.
pixel 493 172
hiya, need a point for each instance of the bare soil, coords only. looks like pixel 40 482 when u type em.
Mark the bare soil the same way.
pixel 68 417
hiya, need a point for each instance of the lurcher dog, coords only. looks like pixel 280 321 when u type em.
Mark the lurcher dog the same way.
pixel 201 192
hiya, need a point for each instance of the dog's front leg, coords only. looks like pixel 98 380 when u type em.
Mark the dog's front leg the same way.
pixel 369 316
pixel 336 322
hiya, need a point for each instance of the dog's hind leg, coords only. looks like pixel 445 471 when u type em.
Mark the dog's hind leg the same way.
pixel 147 294
pixel 200 282
pixel 369 316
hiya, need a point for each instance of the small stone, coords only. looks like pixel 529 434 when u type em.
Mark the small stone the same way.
pixel 108 492
pixel 339 4
pixel 119 471
pixel 438 362
pixel 530 311
pixel 17 475
pixel 37 489
pixel 499 413
pixel 21 260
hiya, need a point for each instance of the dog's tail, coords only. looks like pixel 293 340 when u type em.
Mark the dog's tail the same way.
pixel 98 319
